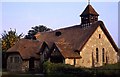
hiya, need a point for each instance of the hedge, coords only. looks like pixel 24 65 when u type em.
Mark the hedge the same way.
pixel 63 69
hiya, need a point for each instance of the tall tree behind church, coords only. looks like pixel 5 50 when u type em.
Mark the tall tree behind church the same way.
pixel 35 30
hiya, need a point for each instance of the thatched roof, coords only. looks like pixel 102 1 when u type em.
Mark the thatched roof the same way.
pixel 68 40
pixel 73 38
pixel 67 51
pixel 26 48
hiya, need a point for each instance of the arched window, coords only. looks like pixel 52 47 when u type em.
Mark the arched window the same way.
pixel 99 36
pixel 97 55
pixel 16 59
pixel 11 59
pixel 103 53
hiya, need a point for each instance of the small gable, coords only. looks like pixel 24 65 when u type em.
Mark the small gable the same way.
pixel 44 48
pixel 56 56
pixel 44 52
pixel 26 48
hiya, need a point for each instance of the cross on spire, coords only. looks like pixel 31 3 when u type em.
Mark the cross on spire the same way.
pixel 88 2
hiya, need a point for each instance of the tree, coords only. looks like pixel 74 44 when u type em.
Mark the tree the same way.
pixel 9 38
pixel 35 30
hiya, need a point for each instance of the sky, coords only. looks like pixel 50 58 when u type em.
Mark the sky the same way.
pixel 119 24
pixel 24 15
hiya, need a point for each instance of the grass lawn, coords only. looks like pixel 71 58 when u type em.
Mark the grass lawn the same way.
pixel 6 74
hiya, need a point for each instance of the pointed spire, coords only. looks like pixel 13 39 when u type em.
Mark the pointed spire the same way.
pixel 89 15
pixel 89 10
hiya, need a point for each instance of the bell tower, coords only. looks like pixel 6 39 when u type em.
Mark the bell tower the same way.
pixel 89 15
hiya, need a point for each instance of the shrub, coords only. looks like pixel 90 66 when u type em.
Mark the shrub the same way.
pixel 109 70
pixel 54 68
pixel 63 69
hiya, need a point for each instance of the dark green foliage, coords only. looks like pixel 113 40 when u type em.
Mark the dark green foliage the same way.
pixel 53 70
pixel 63 70
pixel 9 38
pixel 110 70
pixel 111 66
pixel 35 30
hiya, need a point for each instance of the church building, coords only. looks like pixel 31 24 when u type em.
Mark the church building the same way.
pixel 88 44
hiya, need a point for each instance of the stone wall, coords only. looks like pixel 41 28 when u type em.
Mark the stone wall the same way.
pixel 37 65
pixel 25 66
pixel 88 53
pixel 74 62
pixel 69 61
pixel 14 66
pixel 21 66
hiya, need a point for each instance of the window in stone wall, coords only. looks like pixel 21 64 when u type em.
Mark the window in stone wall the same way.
pixel 103 57
pixel 97 55
pixel 16 59
pixel 11 59
pixel 99 36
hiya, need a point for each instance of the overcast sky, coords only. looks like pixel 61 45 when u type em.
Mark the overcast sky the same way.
pixel 24 15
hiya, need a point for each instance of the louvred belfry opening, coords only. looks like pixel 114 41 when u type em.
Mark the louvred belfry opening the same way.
pixel 89 15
